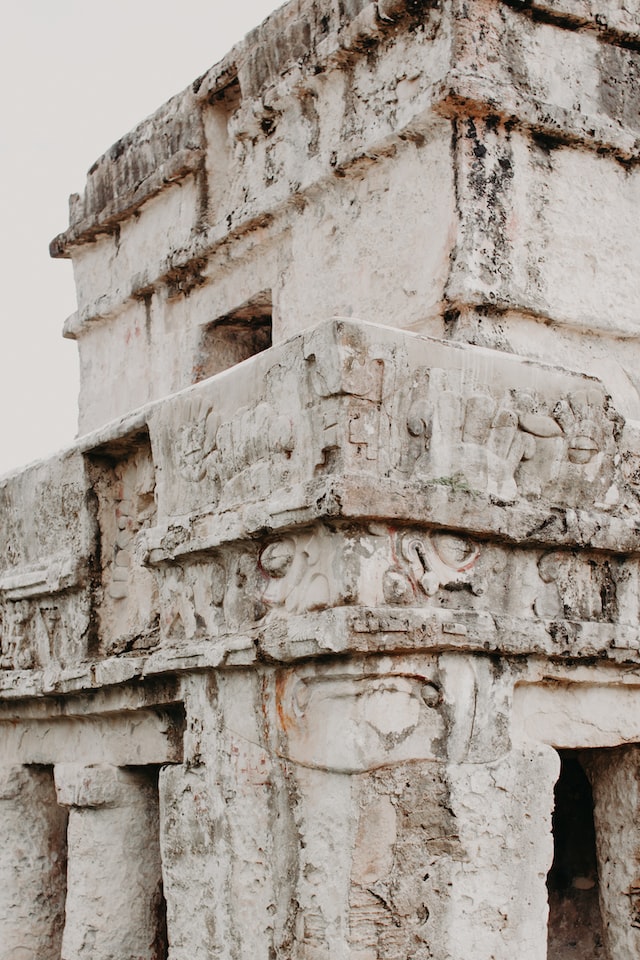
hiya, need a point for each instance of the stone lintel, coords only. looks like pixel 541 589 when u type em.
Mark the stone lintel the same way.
pixel 140 737
pixel 99 785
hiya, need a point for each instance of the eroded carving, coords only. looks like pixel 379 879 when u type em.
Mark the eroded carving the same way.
pixel 461 429
pixel 300 571
pixel 196 441
pixel 191 599
pixel 235 457
pixel 575 588
pixel 18 648
pixel 440 560
pixel 126 505
pixel 373 737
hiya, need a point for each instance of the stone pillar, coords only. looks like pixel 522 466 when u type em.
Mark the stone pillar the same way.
pixel 615 783
pixel 32 865
pixel 115 906
pixel 502 811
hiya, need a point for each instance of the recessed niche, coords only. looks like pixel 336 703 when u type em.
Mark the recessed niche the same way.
pixel 123 480
pixel 234 337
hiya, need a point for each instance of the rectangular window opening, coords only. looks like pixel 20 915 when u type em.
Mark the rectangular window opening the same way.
pixel 234 337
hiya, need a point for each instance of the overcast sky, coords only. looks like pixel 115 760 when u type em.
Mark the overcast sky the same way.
pixel 75 75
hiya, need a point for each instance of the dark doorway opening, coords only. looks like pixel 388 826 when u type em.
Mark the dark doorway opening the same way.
pixel 575 924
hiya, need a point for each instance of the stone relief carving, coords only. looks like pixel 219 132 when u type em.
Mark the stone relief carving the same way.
pixel 45 614
pixel 17 646
pixel 349 367
pixel 375 737
pixel 191 599
pixel 134 508
pixel 576 588
pixel 126 505
pixel 245 457
pixel 350 724
pixel 440 560
pixel 509 443
pixel 253 450
pixel 204 598
pixel 464 431
pixel 373 566
pixel 351 382
pixel 300 571
pixel 196 441
pixel 345 400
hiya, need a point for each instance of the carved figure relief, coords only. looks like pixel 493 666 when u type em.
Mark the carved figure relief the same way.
pixel 17 652
pixel 191 598
pixel 427 562
pixel 337 368
pixel 440 559
pixel 252 453
pixel 575 588
pixel 195 442
pixel 580 416
pixel 244 457
pixel 576 467
pixel 126 505
pixel 509 444
pixel 299 572
pixel 56 632
pixel 202 599
pixel 134 508
pixel 352 384
pixel 464 431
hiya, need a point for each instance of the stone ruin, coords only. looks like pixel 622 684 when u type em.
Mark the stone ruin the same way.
pixel 321 641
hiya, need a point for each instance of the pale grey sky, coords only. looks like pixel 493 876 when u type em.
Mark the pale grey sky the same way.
pixel 75 76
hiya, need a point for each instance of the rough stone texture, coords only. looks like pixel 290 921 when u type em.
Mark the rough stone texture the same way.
pixel 614 779
pixel 342 575
pixel 32 865
pixel 114 905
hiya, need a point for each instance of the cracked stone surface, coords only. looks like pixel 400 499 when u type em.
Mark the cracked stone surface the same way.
pixel 316 637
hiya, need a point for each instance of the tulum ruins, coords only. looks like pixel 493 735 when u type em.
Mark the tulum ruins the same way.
pixel 321 641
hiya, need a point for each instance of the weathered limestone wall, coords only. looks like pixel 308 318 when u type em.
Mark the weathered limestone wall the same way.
pixel 307 657
pixel 471 166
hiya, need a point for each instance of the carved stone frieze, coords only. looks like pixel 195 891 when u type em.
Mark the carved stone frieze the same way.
pixel 44 614
pixel 181 555
pixel 463 590
pixel 353 400
pixel 215 454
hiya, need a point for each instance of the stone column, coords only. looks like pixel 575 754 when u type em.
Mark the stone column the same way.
pixel 115 906
pixel 32 865
pixel 615 783
pixel 502 811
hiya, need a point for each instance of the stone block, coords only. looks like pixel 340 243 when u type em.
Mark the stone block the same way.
pixel 32 864
pixel 114 905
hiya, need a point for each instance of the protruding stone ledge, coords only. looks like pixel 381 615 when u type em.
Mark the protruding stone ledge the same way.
pixel 43 579
pixel 577 715
pixel 615 21
pixel 163 149
pixel 354 467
